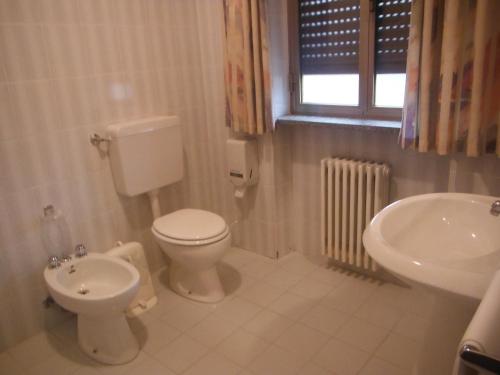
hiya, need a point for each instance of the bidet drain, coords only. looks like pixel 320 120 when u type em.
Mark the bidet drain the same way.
pixel 83 291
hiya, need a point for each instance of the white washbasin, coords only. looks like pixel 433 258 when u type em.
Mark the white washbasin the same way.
pixel 449 244
pixel 446 241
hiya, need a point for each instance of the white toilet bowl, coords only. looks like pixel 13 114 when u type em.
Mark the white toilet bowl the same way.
pixel 195 240
pixel 98 288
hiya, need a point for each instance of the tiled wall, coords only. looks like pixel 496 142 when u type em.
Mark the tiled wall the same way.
pixel 69 68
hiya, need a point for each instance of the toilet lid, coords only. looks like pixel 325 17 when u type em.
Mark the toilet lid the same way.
pixel 190 225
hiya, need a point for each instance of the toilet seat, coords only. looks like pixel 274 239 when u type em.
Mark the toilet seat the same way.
pixel 190 227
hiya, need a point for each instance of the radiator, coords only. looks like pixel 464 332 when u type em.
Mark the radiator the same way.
pixel 352 192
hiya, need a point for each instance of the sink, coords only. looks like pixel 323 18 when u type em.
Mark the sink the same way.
pixel 446 241
pixel 447 244
pixel 98 288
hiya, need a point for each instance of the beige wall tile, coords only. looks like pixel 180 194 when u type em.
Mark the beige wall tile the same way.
pixel 67 50
pixel 14 11
pixel 23 52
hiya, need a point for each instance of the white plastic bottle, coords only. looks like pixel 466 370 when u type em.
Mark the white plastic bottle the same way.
pixel 55 233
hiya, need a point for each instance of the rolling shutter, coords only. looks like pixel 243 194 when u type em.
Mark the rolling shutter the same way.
pixel 329 36
pixel 392 27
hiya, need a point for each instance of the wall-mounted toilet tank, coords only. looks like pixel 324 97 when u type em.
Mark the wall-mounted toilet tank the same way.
pixel 146 154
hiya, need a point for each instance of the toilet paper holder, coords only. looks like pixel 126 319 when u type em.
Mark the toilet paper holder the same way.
pixel 243 164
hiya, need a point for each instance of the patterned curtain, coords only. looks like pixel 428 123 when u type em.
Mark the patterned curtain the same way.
pixel 452 101
pixel 247 78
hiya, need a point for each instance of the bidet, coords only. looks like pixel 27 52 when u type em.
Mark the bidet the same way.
pixel 98 288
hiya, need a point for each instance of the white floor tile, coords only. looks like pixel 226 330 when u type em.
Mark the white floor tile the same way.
pixel 313 369
pixel 212 330
pixel 238 258
pixel 298 265
pixel 303 342
pixel 379 367
pixel 325 320
pixel 282 278
pixel 237 310
pixel 341 358
pixel 242 347
pixel 262 293
pixel 311 289
pixel 275 361
pixel 234 281
pixel 379 313
pixel 349 296
pixel 149 366
pixel 329 275
pixel 66 331
pixel 258 268
pixel 167 300
pixel 36 349
pixel 64 363
pixel 181 354
pixel 291 305
pixel 398 350
pixel 154 336
pixel 268 325
pixel 412 326
pixel 362 335
pixel 10 366
pixel 120 369
pixel 88 371
pixel 187 314
pixel 213 364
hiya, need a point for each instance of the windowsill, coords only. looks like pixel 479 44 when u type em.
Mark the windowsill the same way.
pixel 338 121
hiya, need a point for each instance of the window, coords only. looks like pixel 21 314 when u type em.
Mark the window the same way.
pixel 348 57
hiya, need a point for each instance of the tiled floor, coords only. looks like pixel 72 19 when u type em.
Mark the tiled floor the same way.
pixel 280 317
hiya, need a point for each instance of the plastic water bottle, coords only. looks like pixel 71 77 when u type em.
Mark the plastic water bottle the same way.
pixel 55 233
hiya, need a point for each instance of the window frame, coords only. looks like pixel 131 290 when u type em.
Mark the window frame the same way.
pixel 366 108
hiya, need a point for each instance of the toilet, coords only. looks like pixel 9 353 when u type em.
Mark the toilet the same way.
pixel 146 155
pixel 194 240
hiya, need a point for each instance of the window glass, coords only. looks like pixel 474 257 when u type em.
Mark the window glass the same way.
pixel 390 90
pixel 392 25
pixel 330 89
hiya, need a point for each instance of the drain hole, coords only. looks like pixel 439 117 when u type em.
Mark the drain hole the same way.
pixel 83 291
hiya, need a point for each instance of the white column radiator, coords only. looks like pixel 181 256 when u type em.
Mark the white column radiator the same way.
pixel 352 192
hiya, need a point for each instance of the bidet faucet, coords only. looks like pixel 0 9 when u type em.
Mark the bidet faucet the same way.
pixel 54 262
pixel 80 250
pixel 495 208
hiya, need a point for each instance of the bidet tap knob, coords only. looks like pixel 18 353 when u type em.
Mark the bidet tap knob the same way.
pixel 80 250
pixel 495 208
pixel 54 262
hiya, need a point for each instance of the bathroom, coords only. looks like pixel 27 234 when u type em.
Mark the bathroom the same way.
pixel 71 68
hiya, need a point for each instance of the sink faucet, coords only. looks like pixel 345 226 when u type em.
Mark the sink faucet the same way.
pixel 495 208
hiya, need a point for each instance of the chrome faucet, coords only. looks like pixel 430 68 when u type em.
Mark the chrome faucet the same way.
pixel 495 208
pixel 54 262
pixel 80 250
